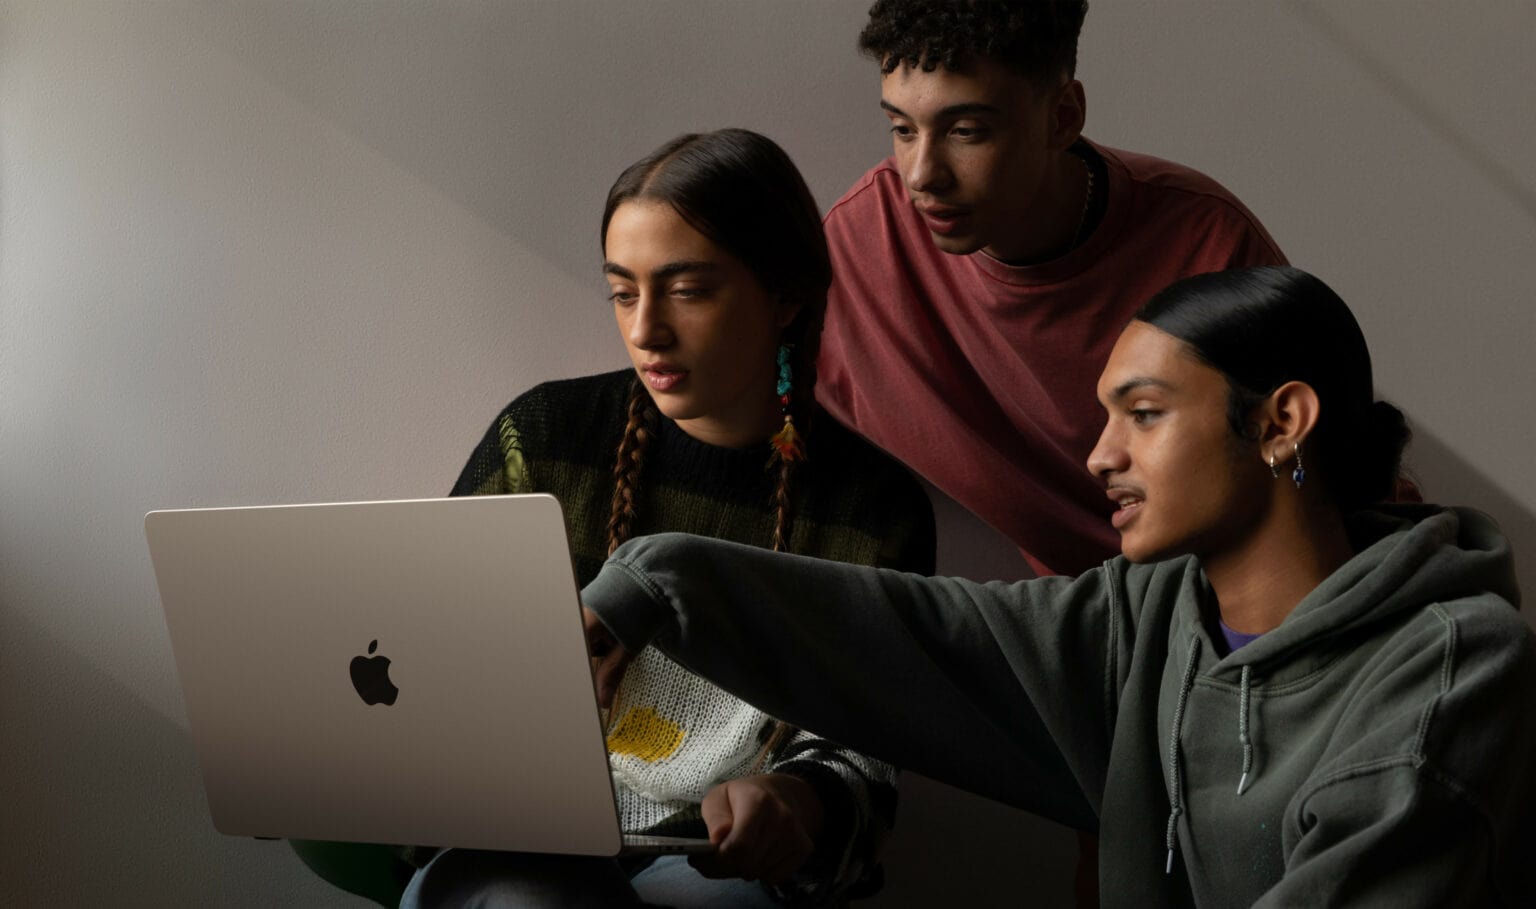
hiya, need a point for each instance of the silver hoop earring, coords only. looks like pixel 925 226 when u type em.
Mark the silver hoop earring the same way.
pixel 1273 470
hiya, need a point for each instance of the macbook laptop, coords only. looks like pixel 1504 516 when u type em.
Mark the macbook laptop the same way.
pixel 409 672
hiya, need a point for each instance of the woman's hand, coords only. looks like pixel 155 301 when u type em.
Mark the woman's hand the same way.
pixel 609 658
pixel 763 826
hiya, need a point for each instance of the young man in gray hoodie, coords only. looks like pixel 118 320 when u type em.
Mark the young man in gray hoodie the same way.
pixel 1275 695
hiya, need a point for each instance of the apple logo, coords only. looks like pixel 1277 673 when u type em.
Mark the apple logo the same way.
pixel 370 676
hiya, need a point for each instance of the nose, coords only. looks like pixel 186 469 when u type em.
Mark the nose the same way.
pixel 926 169
pixel 649 328
pixel 1108 455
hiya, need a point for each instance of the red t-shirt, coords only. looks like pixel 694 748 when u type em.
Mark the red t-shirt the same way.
pixel 980 375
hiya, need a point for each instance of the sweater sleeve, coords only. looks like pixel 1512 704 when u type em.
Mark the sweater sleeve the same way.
pixel 913 545
pixel 970 684
pixel 858 798
pixel 496 466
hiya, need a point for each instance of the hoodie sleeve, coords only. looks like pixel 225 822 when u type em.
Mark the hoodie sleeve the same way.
pixel 971 684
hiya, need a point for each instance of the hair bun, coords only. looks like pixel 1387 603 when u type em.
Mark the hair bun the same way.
pixel 1383 438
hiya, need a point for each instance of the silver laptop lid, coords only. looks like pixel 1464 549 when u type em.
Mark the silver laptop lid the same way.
pixel 485 733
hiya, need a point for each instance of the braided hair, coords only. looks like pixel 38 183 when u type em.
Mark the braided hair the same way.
pixel 740 190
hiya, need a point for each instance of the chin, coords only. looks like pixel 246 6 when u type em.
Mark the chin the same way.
pixel 1136 557
pixel 672 408
pixel 955 246
pixel 1141 552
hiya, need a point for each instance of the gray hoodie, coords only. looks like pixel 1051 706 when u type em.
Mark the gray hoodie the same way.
pixel 1378 748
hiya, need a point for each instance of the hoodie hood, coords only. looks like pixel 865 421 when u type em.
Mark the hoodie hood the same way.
pixel 1406 556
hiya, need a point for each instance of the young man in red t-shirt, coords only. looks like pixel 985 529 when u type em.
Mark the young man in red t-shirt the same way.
pixel 983 272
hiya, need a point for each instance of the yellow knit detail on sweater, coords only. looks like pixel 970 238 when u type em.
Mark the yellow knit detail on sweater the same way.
pixel 645 734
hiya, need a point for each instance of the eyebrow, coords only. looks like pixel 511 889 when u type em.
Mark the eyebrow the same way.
pixel 1130 385
pixel 664 271
pixel 953 110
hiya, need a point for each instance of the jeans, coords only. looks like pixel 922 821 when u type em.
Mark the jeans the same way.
pixel 489 880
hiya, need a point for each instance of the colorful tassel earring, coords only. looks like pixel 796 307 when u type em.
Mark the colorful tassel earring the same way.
pixel 786 441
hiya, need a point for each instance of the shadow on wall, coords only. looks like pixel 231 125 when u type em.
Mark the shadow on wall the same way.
pixel 1469 146
pixel 448 93
pixel 70 840
pixel 1446 478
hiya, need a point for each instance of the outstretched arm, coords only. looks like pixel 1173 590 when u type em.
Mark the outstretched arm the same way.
pixel 971 684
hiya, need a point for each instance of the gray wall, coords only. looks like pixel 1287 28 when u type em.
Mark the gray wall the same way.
pixel 284 251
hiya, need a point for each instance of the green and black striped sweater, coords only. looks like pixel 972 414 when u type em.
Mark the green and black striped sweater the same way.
pixel 672 735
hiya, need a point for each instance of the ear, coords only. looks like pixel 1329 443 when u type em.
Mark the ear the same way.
pixel 1068 111
pixel 1285 419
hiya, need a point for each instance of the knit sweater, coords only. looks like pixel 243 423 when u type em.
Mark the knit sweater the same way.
pixel 672 736
pixel 1376 749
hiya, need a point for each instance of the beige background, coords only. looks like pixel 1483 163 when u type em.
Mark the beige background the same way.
pixel 288 251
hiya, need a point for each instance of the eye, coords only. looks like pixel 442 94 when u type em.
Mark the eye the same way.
pixel 692 291
pixel 902 131
pixel 622 296
pixel 969 132
pixel 1143 416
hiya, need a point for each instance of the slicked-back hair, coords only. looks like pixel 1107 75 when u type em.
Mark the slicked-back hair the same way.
pixel 1265 326
pixel 1037 38
pixel 742 191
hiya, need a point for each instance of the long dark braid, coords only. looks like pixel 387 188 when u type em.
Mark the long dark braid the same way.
pixel 628 463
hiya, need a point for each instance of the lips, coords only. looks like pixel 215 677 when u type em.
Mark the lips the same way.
pixel 943 220
pixel 663 377
pixel 1129 502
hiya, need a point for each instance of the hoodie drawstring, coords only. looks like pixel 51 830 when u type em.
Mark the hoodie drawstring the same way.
pixel 1242 731
pixel 1176 796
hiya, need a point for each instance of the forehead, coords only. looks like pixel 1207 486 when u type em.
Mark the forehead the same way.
pixel 642 230
pixel 988 82
pixel 1146 353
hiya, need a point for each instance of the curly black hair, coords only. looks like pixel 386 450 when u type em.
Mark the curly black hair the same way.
pixel 1037 38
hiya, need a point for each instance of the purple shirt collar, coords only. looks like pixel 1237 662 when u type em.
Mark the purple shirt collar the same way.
pixel 1236 639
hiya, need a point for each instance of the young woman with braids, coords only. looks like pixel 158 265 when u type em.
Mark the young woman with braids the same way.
pixel 718 273
pixel 1278 694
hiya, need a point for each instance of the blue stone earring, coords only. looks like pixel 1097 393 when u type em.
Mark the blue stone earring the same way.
pixel 1299 475
pixel 786 441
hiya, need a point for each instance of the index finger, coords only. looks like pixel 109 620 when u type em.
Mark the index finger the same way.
pixel 609 658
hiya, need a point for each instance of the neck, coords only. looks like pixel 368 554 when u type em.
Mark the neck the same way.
pixel 744 428
pixel 1259 583
pixel 1050 228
